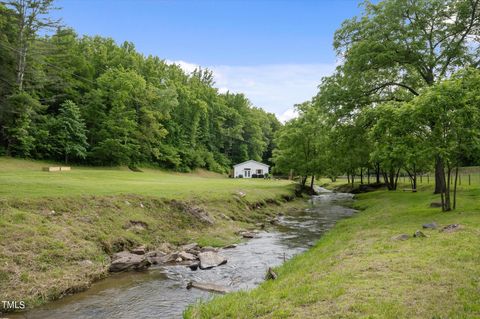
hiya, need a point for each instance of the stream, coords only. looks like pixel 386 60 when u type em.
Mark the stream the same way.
pixel 160 292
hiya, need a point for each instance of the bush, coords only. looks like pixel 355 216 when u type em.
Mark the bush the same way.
pixel 254 176
pixel 240 176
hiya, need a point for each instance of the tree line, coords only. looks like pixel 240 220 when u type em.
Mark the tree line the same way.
pixel 403 99
pixel 89 100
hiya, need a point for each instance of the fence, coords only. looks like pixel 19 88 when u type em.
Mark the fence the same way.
pixel 464 179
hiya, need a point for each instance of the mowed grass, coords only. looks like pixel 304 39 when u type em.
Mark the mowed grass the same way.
pixel 58 230
pixel 20 179
pixel 358 271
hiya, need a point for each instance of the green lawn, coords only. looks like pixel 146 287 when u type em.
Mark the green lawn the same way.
pixel 21 179
pixel 58 229
pixel 358 271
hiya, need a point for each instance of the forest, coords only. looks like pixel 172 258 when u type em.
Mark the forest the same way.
pixel 91 101
pixel 404 99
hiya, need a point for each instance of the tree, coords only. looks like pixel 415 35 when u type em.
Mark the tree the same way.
pixel 71 134
pixel 31 17
pixel 452 107
pixel 398 47
pixel 16 116
pixel 396 143
pixel 300 145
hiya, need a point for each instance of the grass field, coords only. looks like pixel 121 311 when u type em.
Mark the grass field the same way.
pixel 58 229
pixel 359 271
pixel 21 179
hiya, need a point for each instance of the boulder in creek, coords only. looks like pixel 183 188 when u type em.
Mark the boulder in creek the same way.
pixel 155 257
pixel 126 261
pixel 248 234
pixel 186 256
pixel 190 248
pixel 208 248
pixel 230 246
pixel 419 234
pixel 431 225
pixel 451 228
pixel 401 237
pixel 208 287
pixel 210 259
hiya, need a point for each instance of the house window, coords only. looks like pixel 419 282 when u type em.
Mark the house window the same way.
pixel 259 171
pixel 247 172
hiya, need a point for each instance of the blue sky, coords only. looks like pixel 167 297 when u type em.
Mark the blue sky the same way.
pixel 273 51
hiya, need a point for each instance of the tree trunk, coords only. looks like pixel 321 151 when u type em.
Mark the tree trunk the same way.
pixel 304 180
pixel 455 188
pixel 348 178
pixel 378 172
pixel 439 172
pixel 396 180
pixel 22 45
pixel 361 175
pixel 414 185
pixel 311 184
pixel 447 207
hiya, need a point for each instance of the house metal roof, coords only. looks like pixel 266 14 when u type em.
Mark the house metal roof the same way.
pixel 251 161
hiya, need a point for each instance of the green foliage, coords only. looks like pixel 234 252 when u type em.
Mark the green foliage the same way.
pixel 17 116
pixel 70 132
pixel 390 106
pixel 136 109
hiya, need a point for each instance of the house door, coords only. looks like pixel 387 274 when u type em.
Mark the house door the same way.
pixel 246 172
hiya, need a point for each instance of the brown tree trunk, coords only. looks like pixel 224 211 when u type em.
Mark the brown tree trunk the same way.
pixel 447 207
pixel 439 172
pixel 311 184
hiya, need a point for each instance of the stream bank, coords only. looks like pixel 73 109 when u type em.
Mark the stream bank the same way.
pixel 161 291
pixel 359 269
pixel 56 246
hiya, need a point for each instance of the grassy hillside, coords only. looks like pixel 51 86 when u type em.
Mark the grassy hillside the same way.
pixel 58 229
pixel 359 271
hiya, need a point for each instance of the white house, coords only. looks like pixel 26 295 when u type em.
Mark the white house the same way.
pixel 249 168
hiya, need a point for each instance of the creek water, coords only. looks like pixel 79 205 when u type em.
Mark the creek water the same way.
pixel 160 292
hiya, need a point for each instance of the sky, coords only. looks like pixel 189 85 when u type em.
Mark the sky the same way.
pixel 273 51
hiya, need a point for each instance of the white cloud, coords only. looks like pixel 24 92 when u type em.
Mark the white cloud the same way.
pixel 275 88
pixel 186 66
pixel 288 115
